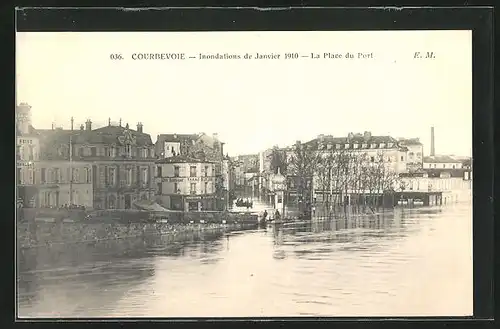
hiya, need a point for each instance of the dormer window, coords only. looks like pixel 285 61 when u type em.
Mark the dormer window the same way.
pixel 364 146
pixel 382 145
pixel 356 145
pixel 329 147
pixel 337 146
pixel 374 146
pixel 346 146
pixel 390 145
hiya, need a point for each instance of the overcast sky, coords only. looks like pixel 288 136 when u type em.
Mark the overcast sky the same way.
pixel 255 104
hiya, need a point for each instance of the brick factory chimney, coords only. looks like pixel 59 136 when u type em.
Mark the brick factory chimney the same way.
pixel 88 125
pixel 139 127
pixel 433 151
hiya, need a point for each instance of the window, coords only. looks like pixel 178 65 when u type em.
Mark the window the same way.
pixel 145 176
pixel 93 151
pixel 57 174
pixel 206 187
pixel 193 188
pixel 329 146
pixel 382 145
pixel 419 154
pixel 213 171
pixel 372 159
pixel 434 165
pixel 337 146
pixel 402 158
pixel 206 171
pixel 453 166
pixel 111 177
pixel 192 171
pixel 346 146
pixel 88 175
pixel 374 146
pixel 30 154
pixel 158 188
pixel 128 150
pixel 176 171
pixel 76 175
pixel 129 177
pixel 176 188
pixel 32 177
pixel 390 145
pixel 364 146
pixel 356 146
pixel 444 165
pixel 113 152
pixel 81 152
pixel 158 171
pixel 42 176
pixel 19 175
pixel 106 152
pixel 111 202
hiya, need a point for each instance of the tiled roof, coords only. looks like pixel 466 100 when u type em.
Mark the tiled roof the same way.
pixel 104 135
pixel 440 159
pixel 410 141
pixel 176 137
pixel 433 173
pixel 356 139
pixel 182 159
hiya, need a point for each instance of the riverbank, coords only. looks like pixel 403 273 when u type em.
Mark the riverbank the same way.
pixel 42 234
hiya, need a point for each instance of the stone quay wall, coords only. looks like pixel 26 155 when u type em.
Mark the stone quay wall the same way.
pixel 34 234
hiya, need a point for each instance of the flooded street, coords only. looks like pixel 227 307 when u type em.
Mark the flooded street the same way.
pixel 415 262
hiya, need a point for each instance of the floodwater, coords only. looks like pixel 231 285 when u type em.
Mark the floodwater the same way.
pixel 416 262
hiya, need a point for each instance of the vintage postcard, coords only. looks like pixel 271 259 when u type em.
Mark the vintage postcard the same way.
pixel 244 174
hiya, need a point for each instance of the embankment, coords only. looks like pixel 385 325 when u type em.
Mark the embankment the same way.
pixel 34 234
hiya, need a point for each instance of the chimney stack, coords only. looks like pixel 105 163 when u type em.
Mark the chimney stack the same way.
pixel 88 125
pixel 432 142
pixel 81 127
pixel 139 127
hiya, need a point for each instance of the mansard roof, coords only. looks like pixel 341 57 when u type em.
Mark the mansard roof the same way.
pixel 356 139
pixel 440 159
pixel 182 159
pixel 106 135
pixel 176 137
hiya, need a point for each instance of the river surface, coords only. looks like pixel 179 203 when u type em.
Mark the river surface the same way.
pixel 412 263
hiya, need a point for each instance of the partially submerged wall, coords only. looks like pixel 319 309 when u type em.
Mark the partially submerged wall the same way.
pixel 36 233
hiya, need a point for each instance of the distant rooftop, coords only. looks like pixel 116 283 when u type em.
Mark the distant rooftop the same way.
pixel 440 159
pixel 182 159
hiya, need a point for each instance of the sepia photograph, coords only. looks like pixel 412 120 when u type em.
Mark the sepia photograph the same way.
pixel 244 174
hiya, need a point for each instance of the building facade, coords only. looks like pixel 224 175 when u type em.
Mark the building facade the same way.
pixel 186 184
pixel 117 161
pixel 442 162
pixel 203 148
pixel 415 154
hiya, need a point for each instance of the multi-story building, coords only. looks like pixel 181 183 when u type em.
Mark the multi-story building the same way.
pixel 27 154
pixel 204 148
pixel 415 154
pixel 121 162
pixel 185 183
pixel 441 162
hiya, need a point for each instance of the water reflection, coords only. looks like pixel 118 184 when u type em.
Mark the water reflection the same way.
pixel 361 266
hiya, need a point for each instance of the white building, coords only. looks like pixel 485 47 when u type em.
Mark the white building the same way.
pixel 186 184
pixel 441 162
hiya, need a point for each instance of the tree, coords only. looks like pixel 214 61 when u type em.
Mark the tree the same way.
pixel 302 163
pixel 278 160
